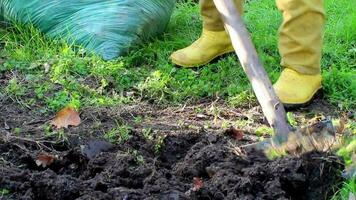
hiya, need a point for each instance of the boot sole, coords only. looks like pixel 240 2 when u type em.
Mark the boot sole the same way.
pixel 317 95
pixel 203 63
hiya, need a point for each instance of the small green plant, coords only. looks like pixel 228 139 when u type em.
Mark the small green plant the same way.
pixel 348 188
pixel 47 128
pixel 158 140
pixel 243 98
pixel 347 149
pixel 225 124
pixel 241 123
pixel 159 144
pixel 215 111
pixel 61 135
pixel 50 132
pixel 291 119
pixel 137 157
pixel 138 119
pixel 199 110
pixel 14 88
pixel 264 130
pixel 274 153
pixel 4 192
pixel 148 134
pixel 17 131
pixel 119 134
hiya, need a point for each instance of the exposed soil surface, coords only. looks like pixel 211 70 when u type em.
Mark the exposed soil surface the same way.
pixel 117 174
pixel 87 167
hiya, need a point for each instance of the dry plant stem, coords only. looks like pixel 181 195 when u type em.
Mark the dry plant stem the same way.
pixel 40 142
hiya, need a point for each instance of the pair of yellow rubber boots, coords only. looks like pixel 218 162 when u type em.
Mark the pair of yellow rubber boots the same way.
pixel 300 44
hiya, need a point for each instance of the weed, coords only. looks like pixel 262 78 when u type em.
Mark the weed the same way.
pixel 138 119
pixel 274 153
pixel 14 88
pixel 215 111
pixel 148 134
pixel 61 135
pixel 159 142
pixel 207 125
pixel 47 128
pixel 291 119
pixel 199 110
pixel 17 131
pixel 241 123
pixel 119 134
pixel 225 124
pixel 243 98
pixel 348 188
pixel 264 130
pixel 4 192
pixel 139 159
pixel 347 149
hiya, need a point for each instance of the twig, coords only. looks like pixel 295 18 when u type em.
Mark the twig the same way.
pixel 38 121
pixel 237 150
pixel 39 143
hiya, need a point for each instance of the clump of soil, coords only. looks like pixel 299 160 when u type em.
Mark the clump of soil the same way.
pixel 133 170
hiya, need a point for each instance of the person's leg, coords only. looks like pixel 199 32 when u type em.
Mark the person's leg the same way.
pixel 211 17
pixel 213 42
pixel 300 46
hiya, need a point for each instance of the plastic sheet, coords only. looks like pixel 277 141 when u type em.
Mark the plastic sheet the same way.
pixel 107 27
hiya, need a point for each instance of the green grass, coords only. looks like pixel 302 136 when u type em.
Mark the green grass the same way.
pixel 147 74
pixel 348 188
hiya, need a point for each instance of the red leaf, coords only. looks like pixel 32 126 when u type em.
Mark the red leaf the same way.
pixel 238 134
pixel 66 117
pixel 198 183
pixel 44 160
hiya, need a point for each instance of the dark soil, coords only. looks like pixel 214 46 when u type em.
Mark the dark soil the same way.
pixel 87 167
pixel 116 173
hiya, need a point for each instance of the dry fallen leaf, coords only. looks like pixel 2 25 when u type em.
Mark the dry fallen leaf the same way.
pixel 198 183
pixel 66 117
pixel 342 125
pixel 44 160
pixel 235 133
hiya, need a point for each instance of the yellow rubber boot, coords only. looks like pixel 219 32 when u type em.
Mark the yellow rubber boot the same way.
pixel 210 45
pixel 296 89
pixel 213 42
pixel 300 45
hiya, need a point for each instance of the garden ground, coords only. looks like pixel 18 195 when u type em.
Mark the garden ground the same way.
pixel 165 125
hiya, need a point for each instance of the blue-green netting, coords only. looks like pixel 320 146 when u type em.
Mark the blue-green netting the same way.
pixel 107 27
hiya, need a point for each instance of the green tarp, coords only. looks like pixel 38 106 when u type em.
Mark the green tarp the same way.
pixel 106 27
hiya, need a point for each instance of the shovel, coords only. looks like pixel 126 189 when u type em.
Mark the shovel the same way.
pixel 273 109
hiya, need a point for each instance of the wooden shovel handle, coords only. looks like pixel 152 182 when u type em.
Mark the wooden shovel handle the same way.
pixel 271 106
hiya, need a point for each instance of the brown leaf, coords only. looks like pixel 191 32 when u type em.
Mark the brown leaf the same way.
pixel 66 117
pixel 198 183
pixel 342 125
pixel 44 159
pixel 238 134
